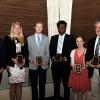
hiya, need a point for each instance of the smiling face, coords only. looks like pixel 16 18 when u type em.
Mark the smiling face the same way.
pixel 16 29
pixel 97 28
pixel 39 28
pixel 80 42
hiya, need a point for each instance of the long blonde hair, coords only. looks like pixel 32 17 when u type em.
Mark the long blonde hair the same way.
pixel 21 37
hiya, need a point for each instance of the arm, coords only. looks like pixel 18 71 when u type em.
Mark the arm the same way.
pixel 89 54
pixel 47 57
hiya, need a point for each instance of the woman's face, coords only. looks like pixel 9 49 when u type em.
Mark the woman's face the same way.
pixel 79 42
pixel 16 29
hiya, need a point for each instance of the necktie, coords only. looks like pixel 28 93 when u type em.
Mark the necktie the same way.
pixel 60 44
pixel 38 41
pixel 97 50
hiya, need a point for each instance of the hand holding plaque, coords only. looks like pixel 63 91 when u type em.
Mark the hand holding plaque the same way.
pixel 59 58
pixel 96 60
pixel 78 68
pixel 20 59
pixel 39 60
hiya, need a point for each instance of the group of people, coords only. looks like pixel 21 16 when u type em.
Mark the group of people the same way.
pixel 71 63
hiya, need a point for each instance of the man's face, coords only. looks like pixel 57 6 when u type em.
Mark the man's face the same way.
pixel 97 29
pixel 61 29
pixel 39 28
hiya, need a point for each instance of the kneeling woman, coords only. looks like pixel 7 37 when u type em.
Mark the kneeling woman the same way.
pixel 16 52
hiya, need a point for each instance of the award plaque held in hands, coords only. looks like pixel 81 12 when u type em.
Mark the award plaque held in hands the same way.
pixel 96 60
pixel 78 68
pixel 39 60
pixel 59 57
pixel 20 59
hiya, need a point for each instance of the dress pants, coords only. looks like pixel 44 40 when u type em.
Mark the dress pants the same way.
pixel 0 77
pixel 60 73
pixel 34 75
pixel 95 85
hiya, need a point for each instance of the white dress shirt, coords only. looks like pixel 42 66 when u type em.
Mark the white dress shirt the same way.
pixel 97 38
pixel 60 43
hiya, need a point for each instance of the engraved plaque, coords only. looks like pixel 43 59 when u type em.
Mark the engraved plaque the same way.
pixel 59 57
pixel 78 68
pixel 39 60
pixel 20 59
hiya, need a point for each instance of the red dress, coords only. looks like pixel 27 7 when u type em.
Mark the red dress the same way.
pixel 79 82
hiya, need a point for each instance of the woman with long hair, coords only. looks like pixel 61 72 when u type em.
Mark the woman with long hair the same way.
pixel 16 56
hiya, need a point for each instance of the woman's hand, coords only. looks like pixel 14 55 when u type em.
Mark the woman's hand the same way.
pixel 1 70
pixel 15 61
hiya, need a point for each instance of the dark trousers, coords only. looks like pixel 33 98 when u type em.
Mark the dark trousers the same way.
pixel 60 73
pixel 34 75
pixel 0 77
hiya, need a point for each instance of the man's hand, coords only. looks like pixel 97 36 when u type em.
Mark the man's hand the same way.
pixel 90 64
pixel 34 62
pixel 97 66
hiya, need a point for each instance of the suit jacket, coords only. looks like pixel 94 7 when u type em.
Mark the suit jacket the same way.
pixel 68 46
pixel 2 54
pixel 89 55
pixel 34 51
pixel 10 50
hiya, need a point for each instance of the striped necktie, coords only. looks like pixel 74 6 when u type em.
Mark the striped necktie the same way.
pixel 97 50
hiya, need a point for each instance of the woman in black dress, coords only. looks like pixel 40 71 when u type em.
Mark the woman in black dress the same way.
pixel 16 52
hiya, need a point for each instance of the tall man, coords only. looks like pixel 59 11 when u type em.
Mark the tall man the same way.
pixel 60 48
pixel 93 50
pixel 38 46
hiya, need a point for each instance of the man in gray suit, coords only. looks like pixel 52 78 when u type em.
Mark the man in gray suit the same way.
pixel 38 46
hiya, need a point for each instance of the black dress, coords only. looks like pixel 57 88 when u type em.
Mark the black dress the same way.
pixel 11 46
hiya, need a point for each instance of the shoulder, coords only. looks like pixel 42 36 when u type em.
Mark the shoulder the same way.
pixel 54 36
pixel 72 53
pixel 92 39
pixel 7 38
pixel 44 36
pixel 30 37
pixel 69 36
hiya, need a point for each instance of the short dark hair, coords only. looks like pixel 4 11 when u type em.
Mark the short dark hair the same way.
pixel 61 22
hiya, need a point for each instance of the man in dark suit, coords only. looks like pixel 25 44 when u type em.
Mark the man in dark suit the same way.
pixel 93 49
pixel 2 58
pixel 60 48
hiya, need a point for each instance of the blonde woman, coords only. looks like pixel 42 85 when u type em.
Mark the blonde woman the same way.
pixel 16 54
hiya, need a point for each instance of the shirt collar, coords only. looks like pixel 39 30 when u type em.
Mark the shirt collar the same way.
pixel 62 36
pixel 36 34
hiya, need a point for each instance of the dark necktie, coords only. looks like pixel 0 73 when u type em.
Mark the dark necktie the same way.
pixel 97 50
